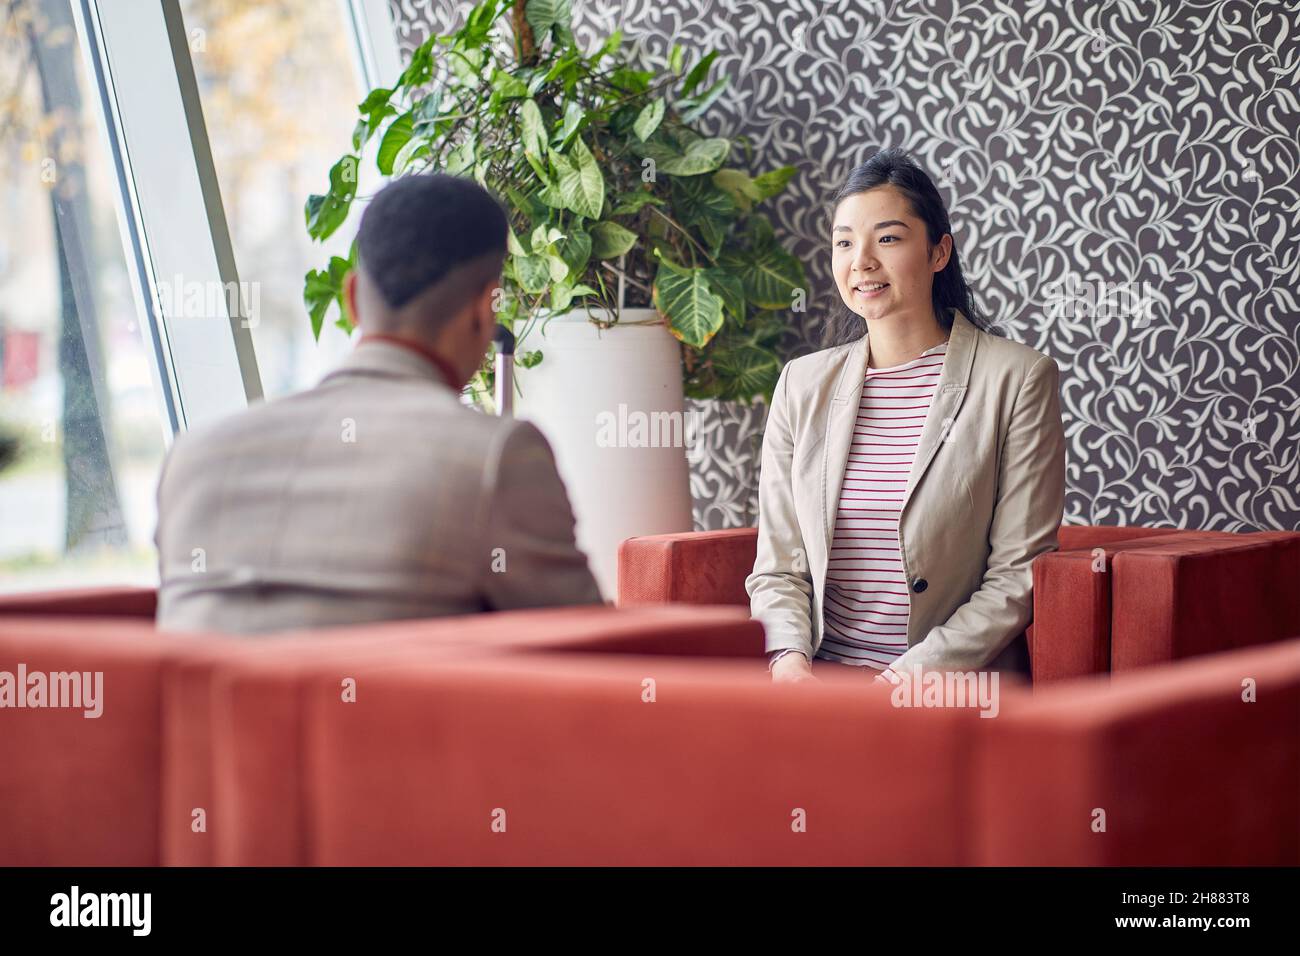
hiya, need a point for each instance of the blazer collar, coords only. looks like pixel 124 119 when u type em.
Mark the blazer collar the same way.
pixel 949 393
pixel 387 360
pixel 956 365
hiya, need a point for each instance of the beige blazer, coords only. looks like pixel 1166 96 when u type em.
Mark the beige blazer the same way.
pixel 985 496
pixel 375 495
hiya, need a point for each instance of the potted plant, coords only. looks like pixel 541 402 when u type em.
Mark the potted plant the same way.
pixel 626 225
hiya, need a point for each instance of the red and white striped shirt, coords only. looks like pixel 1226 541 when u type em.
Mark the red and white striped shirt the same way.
pixel 866 603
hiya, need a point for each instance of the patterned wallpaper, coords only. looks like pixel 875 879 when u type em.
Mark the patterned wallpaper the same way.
pixel 1122 181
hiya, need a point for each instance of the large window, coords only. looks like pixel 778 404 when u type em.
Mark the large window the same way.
pixel 78 399
pixel 279 93
pixel 148 149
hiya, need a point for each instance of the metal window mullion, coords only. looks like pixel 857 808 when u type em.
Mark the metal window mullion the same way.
pixel 175 206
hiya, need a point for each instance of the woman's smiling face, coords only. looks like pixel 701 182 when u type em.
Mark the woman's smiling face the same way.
pixel 879 256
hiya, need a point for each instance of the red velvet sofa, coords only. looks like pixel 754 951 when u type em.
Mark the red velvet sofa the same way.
pixel 1110 599
pixel 123 788
pixel 529 738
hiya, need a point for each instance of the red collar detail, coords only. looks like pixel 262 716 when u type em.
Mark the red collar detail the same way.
pixel 439 362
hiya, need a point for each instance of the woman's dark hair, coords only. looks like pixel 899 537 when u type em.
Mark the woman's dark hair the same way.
pixel 893 167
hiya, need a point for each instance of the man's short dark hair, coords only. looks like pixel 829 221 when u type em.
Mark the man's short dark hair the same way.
pixel 420 228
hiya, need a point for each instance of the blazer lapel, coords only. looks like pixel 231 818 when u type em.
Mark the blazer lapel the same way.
pixel 950 392
pixel 839 431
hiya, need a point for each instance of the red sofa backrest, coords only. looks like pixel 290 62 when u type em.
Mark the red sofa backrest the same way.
pixel 519 760
pixel 122 788
pixel 1176 764
pixel 539 761
pixel 126 602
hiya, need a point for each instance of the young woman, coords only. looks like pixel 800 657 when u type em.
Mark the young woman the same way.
pixel 912 471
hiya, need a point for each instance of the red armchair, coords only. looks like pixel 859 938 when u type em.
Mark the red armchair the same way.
pixel 1111 597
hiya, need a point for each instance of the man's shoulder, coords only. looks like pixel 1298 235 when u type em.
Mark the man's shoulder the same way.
pixel 404 416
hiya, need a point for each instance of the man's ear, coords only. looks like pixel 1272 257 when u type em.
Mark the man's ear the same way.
pixel 487 303
pixel 350 295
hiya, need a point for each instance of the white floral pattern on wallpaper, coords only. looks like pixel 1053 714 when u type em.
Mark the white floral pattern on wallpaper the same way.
pixel 1122 181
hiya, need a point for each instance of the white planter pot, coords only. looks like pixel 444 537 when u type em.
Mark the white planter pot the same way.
pixel 604 399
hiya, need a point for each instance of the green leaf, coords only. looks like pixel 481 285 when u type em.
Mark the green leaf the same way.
pixel 647 121
pixel 746 371
pixel 529 359
pixel 374 99
pixel 631 81
pixel 466 64
pixel 478 23
pixel 773 181
pixel 563 69
pixel 534 128
pixel 701 156
pixel 558 268
pixel 460 159
pixel 397 135
pixel 513 245
pixel 701 202
pixel 506 85
pixel 318 294
pixel 611 45
pixel 581 184
pixel 537 82
pixel 543 236
pixel 375 108
pixel 770 277
pixel 529 204
pixel 758 230
pixel 573 115
pixel 420 69
pixel 324 287
pixel 631 202
pixel 575 249
pixel 534 273
pixel 413 150
pixel 326 213
pixel 698 72
pixel 675 58
pixel 427 112
pixel 542 15
pixel 692 110
pixel 561 296
pixel 544 174
pixel 610 240
pixel 683 295
pixel 551 196
pixel 737 184
pixel 730 289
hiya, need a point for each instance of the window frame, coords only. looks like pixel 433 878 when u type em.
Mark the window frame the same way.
pixel 169 208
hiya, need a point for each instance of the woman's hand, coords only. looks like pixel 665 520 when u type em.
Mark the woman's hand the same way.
pixel 792 668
